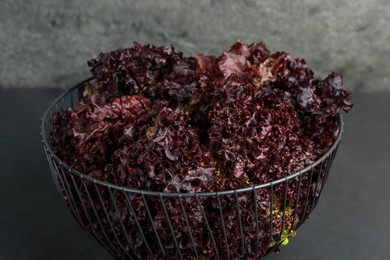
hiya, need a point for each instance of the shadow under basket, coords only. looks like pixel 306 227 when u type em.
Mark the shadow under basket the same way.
pixel 132 224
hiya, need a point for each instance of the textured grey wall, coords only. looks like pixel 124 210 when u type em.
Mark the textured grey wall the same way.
pixel 46 43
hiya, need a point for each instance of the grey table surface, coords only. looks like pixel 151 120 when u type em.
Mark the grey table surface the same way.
pixel 351 220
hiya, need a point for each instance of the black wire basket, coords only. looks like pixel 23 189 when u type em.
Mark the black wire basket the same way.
pixel 132 223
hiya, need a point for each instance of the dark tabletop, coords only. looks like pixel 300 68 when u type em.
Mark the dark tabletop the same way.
pixel 351 221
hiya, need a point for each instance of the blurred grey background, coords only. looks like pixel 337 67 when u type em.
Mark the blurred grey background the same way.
pixel 46 43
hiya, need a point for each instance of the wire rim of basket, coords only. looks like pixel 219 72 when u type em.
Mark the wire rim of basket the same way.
pixel 73 171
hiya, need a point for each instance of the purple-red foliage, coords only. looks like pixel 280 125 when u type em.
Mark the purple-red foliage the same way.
pixel 158 121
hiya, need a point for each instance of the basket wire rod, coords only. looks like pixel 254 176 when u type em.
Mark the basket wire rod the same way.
pixel 47 127
pixel 332 156
pixel 296 204
pixel 208 227
pixel 54 174
pixel 270 213
pixel 50 120
pixel 62 191
pixel 304 216
pixel 63 102
pixel 240 225
pixel 109 220
pixel 327 169
pixel 137 222
pixel 171 227
pixel 112 246
pixel 188 226
pixel 284 209
pixel 223 226
pixel 92 226
pixel 81 200
pixel 153 225
pixel 256 217
pixel 121 222
pixel 65 193
pixel 71 101
pixel 66 189
pixel 318 179
pixel 72 194
pixel 86 211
